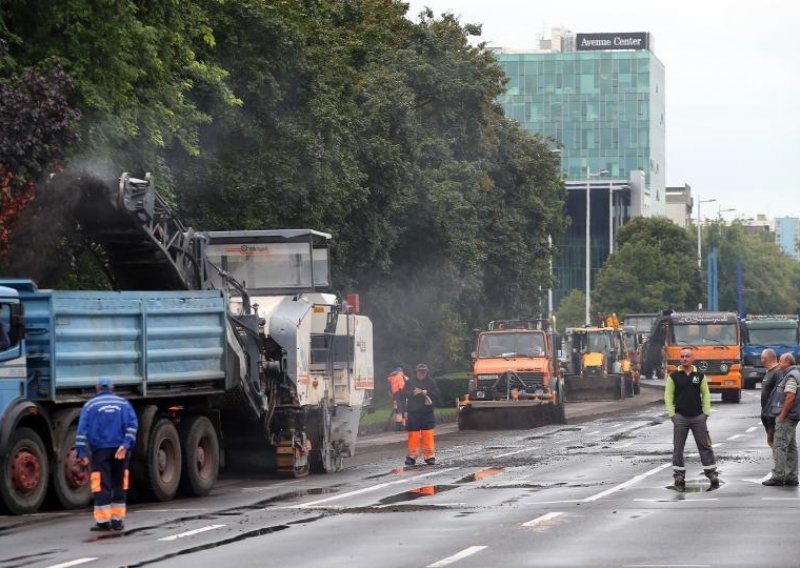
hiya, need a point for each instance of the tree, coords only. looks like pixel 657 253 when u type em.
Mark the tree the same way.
pixel 769 276
pixel 653 269
pixel 571 311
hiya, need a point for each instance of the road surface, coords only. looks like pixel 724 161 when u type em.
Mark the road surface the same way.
pixel 594 492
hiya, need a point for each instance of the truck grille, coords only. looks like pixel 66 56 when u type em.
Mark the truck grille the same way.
pixel 532 382
pixel 713 367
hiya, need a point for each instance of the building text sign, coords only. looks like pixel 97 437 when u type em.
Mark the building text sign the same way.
pixel 634 40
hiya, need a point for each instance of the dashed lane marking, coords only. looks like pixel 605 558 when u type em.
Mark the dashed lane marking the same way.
pixel 615 426
pixel 593 433
pixel 543 519
pixel 734 437
pixel 368 489
pixel 190 533
pixel 457 556
pixel 515 452
pixel 751 429
pixel 71 563
pixel 628 483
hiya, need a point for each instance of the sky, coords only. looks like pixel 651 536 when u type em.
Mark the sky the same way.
pixel 732 85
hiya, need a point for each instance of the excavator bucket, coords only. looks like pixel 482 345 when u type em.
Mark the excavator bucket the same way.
pixel 509 415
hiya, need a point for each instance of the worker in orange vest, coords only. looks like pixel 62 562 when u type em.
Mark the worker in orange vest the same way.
pixel 420 393
pixel 397 381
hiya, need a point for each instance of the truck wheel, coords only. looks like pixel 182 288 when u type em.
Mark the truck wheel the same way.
pixel 26 470
pixel 736 396
pixel 70 480
pixel 200 446
pixel 163 461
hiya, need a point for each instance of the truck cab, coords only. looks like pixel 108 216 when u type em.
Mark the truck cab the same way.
pixel 516 346
pixel 12 352
pixel 781 333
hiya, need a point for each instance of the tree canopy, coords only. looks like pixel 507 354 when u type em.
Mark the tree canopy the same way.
pixel 341 116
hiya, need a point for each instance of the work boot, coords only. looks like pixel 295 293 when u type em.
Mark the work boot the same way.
pixel 774 482
pixel 101 527
pixel 411 461
pixel 713 477
pixel 679 482
pixel 117 525
pixel 791 481
pixel 430 461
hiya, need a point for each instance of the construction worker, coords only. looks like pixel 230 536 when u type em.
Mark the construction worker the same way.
pixel 107 428
pixel 397 381
pixel 419 394
pixel 688 403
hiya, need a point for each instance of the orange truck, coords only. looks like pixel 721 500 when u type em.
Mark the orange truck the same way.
pixel 516 380
pixel 715 339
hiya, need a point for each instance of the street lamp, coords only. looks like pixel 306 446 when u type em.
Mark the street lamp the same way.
pixel 589 176
pixel 699 238
pixel 720 211
pixel 611 190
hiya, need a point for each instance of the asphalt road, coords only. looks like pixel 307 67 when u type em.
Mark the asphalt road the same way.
pixel 596 492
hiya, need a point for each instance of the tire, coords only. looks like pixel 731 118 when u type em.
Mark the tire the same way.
pixel 70 480
pixel 162 466
pixel 26 472
pixel 736 396
pixel 200 452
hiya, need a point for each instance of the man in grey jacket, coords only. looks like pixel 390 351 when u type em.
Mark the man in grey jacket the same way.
pixel 770 362
pixel 784 405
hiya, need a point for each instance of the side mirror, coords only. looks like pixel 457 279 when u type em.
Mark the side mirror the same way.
pixel 474 354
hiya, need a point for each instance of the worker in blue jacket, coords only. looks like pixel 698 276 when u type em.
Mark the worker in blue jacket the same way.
pixel 107 429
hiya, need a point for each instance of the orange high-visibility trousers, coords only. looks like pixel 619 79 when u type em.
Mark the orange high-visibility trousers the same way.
pixel 428 445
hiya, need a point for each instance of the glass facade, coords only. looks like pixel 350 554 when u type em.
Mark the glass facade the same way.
pixel 606 110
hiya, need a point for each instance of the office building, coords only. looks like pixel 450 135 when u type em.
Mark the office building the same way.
pixel 600 98
pixel 680 205
pixel 787 235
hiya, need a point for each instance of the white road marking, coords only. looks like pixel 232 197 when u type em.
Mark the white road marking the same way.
pixel 368 489
pixel 734 437
pixel 628 483
pixel 766 476
pixel 680 501
pixel 718 444
pixel 77 562
pixel 592 433
pixel 515 452
pixel 190 533
pixel 751 429
pixel 626 445
pixel 543 519
pixel 456 557
pixel 615 426
pixel 780 499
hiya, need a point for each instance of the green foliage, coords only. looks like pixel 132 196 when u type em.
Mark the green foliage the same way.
pixel 571 311
pixel 341 116
pixel 770 277
pixel 653 269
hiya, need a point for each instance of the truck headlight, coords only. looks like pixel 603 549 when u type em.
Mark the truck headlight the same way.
pixel 723 368
pixel 488 377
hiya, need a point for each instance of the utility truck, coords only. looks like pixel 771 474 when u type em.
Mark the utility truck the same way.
pixel 227 344
pixel 516 379
pixel 778 332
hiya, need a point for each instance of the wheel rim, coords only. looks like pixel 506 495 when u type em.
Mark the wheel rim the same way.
pixel 26 470
pixel 203 458
pixel 167 462
pixel 76 475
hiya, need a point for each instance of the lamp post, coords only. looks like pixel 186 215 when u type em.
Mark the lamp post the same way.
pixel 589 176
pixel 720 211
pixel 611 190
pixel 699 238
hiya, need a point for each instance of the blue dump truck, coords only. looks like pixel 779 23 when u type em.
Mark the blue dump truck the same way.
pixel 778 332
pixel 226 344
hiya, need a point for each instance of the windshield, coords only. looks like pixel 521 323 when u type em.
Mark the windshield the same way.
pixel 704 334
pixel 5 326
pixel 523 344
pixel 599 343
pixel 270 265
pixel 773 336
pixel 630 341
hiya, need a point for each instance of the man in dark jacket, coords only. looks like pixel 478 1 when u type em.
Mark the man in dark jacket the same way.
pixel 107 428
pixel 770 362
pixel 688 402
pixel 784 406
pixel 419 393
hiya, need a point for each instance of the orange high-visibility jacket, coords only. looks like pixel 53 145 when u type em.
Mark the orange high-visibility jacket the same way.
pixel 397 381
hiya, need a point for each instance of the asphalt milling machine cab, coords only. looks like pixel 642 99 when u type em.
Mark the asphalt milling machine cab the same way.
pixel 598 366
pixel 516 380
